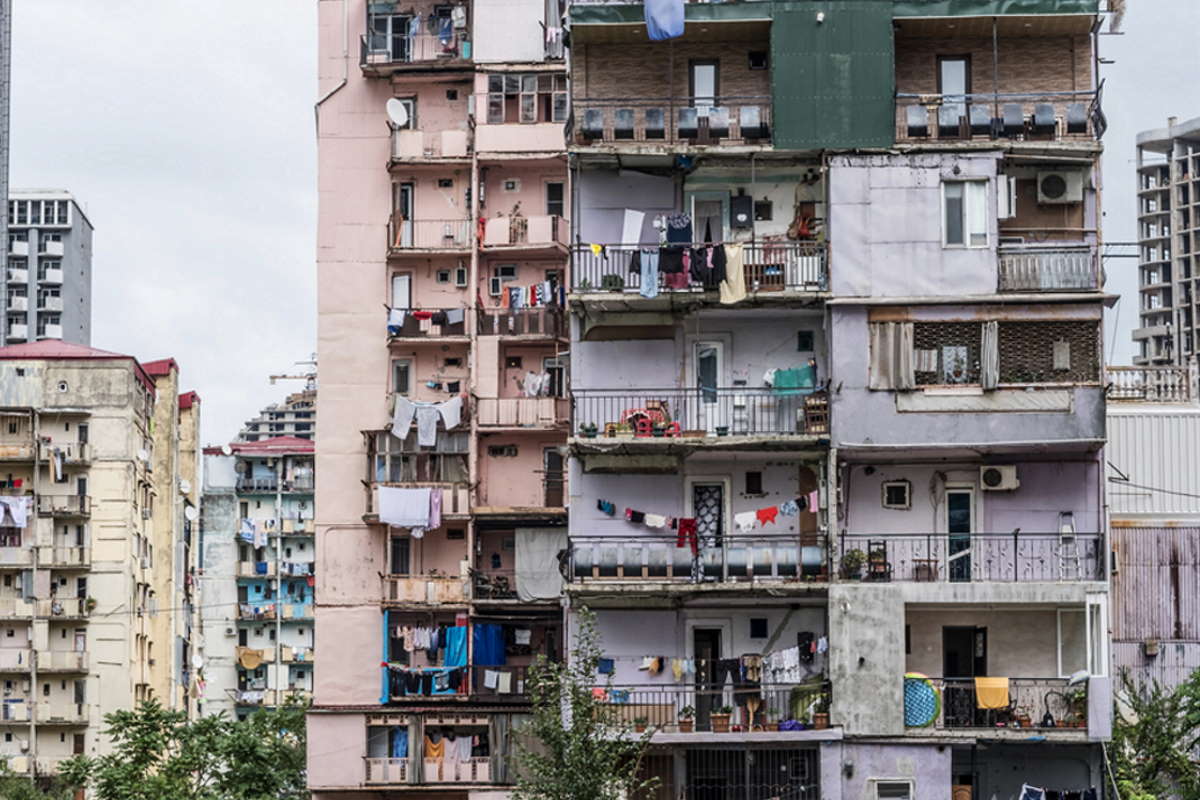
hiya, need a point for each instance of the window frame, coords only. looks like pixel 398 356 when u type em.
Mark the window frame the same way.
pixel 407 365
pixel 878 783
pixel 968 210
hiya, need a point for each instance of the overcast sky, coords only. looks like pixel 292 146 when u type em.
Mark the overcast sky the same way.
pixel 186 130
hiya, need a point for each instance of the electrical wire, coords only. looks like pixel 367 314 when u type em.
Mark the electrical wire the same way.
pixel 1152 488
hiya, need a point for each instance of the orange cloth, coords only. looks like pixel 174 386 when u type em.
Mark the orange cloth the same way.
pixel 991 692
pixel 435 750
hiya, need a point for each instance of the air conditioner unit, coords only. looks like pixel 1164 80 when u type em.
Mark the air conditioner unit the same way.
pixel 1059 187
pixel 229 631
pixel 998 478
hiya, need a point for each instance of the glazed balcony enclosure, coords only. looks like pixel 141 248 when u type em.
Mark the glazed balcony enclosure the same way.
pixel 730 559
pixel 1041 268
pixel 420 36
pixel 394 754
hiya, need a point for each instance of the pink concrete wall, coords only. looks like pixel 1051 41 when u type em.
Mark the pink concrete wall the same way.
pixel 528 272
pixel 507 481
pixel 426 291
pixel 430 202
pixel 518 138
pixel 435 551
pixel 531 361
pixel 429 363
pixel 333 760
pixel 356 633
pixel 435 110
pixel 532 192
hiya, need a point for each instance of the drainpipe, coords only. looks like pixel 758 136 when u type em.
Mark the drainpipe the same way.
pixel 35 419
pixel 278 577
pixel 345 68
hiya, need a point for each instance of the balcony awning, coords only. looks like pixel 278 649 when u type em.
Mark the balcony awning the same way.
pixel 991 8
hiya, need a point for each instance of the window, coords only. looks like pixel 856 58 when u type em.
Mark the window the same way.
pixel 754 483
pixel 804 341
pixel 554 199
pixel 702 84
pixel 401 375
pixel 964 207
pixel 502 451
pixel 44 265
pixel 758 627
pixel 409 116
pixel 897 494
pixel 894 790
pixel 443 276
pixel 954 83
pixel 526 98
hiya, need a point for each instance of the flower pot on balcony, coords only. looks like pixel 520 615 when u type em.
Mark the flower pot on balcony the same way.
pixel 722 430
pixel 820 720
pixel 720 722
pixel 770 726
pixel 686 725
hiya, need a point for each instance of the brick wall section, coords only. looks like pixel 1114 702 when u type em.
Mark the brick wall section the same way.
pixel 1058 222
pixel 641 70
pixel 1041 64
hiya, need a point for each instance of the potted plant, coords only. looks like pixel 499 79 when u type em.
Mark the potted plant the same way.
pixel 612 283
pixel 89 605
pixel 821 713
pixel 852 563
pixel 722 430
pixel 687 719
pixel 720 719
pixel 770 722
pixel 1076 707
pixel 624 431
pixel 660 429
pixel 639 724
pixel 588 430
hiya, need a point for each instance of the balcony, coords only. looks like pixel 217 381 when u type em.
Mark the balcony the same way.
pixel 256 569
pixel 64 607
pixel 772 270
pixel 1017 557
pixel 456 497
pixel 670 419
pixel 1029 700
pixel 415 324
pixel 249 612
pixel 47 247
pixel 18 248
pixel 16 451
pixel 15 660
pixel 404 589
pixel 539 413
pixel 62 661
pixel 422 236
pixel 525 234
pixel 396 771
pixel 64 505
pixel 1048 269
pixel 1153 384
pixel 15 557
pixel 272 484
pixel 18 275
pixel 64 557
pixel 534 324
pixel 16 607
pixel 50 276
pixel 381 56
pixel 50 303
pixel 416 146
pixel 62 714
pixel 734 559
pixel 1049 116
pixel 18 331
pixel 271 697
pixel 754 706
pixel 18 303
pixel 50 331
pixel 76 454
pixel 646 123
pixel 15 710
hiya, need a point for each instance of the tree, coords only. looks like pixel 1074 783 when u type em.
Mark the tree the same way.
pixel 158 753
pixel 577 747
pixel 20 787
pixel 1155 733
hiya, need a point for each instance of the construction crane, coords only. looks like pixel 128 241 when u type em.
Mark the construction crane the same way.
pixel 309 378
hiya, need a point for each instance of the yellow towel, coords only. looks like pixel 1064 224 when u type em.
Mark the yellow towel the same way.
pixel 991 692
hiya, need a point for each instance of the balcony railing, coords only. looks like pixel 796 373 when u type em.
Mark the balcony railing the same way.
pixel 673 120
pixel 428 234
pixel 1153 384
pixel 788 266
pixel 50 275
pixel 379 54
pixel 50 303
pixel 456 497
pixel 15 557
pixel 1048 269
pixel 62 556
pixel 415 145
pixel 542 321
pixel 426 323
pixel 388 771
pixel 1045 116
pixel 977 557
pixel 1029 700
pixel 736 411
pixel 64 505
pixel 525 232
pixel 251 611
pixel 755 705
pixel 64 714
pixel 63 607
pixel 523 412
pixel 18 303
pixel 15 660
pixel 421 589
pixel 16 451
pixel 75 453
pixel 493 584
pixel 731 559
pixel 271 484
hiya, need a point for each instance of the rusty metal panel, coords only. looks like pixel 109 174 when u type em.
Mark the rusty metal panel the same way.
pixel 1157 450
pixel 1172 666
pixel 1156 587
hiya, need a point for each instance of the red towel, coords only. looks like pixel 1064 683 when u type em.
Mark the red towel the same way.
pixel 422 314
pixel 765 515
pixel 686 534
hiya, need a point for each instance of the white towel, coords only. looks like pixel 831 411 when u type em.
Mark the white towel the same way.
pixel 491 678
pixel 395 317
pixel 427 420
pixel 744 521
pixel 402 416
pixel 404 508
pixel 454 316
pixel 655 521
pixel 505 686
pixel 451 411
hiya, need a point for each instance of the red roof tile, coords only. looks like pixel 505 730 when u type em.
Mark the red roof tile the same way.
pixel 57 349
pixel 277 445
pixel 188 399
pixel 162 366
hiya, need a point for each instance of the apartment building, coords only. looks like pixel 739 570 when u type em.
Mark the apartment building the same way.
pixel 1168 170
pixel 87 575
pixel 444 191
pixel 296 416
pixel 258 575
pixel 836 483
pixel 5 91
pixel 48 277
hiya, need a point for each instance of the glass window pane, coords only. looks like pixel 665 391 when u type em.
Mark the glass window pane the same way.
pixel 958 512
pixel 977 213
pixel 512 84
pixel 529 83
pixel 954 212
pixel 529 108
pixel 704 84
pixel 495 83
pixel 559 110
pixel 953 76
pixel 495 110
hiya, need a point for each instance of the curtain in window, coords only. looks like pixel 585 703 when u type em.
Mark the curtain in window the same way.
pixel 990 367
pixel 891 365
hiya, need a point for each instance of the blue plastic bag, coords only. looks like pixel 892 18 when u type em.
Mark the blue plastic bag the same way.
pixel 664 19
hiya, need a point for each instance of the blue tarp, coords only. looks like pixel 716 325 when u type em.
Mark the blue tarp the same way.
pixel 456 647
pixel 489 645
pixel 664 19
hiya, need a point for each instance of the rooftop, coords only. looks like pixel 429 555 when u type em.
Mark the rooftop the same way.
pixel 58 350
pixel 161 367
pixel 278 445
pixel 188 399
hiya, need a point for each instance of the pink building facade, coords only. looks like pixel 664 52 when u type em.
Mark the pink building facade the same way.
pixel 442 257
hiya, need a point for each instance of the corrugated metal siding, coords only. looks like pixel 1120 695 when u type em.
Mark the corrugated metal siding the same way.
pixel 1172 666
pixel 832 82
pixel 991 8
pixel 1156 449
pixel 1156 588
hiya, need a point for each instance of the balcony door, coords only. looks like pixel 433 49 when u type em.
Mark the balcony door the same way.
pixel 702 85
pixel 707 367
pixel 706 649
pixel 954 84
pixel 403 215
pixel 960 524
pixel 402 290
pixel 554 476
pixel 964 657
pixel 390 35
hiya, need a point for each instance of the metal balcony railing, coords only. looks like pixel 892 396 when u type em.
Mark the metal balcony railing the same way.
pixel 395 771
pixel 708 121
pixel 974 557
pixel 547 321
pixel 428 234
pixel 64 505
pixel 271 484
pixel 424 589
pixel 728 559
pixel 523 412
pixel 1029 701
pixel 426 323
pixel 1048 269
pixel 735 411
pixel 524 232
pixel 380 52
pixel 1153 384
pixel 787 266
pixel 1045 116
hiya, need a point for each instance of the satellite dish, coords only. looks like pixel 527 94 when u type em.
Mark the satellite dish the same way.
pixel 191 513
pixel 226 450
pixel 239 467
pixel 397 112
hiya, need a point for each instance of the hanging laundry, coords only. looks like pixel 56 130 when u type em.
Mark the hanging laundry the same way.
pixel 597 249
pixel 649 278
pixel 435 508
pixel 789 508
pixel 687 534
pixel 664 19
pixel 605 507
pixel 745 521
pixel 404 508
pixel 427 420
pixel 814 501
pixel 733 288
pixel 422 315
pixel 635 516
pixel 451 412
pixel 767 515
pixel 395 321
pixel 605 666
pixel 403 411
pixel 655 521
pixel 455 316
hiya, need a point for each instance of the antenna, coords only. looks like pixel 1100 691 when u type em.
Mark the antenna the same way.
pixel 397 112
pixel 191 513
